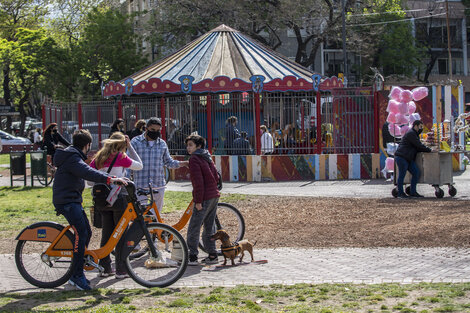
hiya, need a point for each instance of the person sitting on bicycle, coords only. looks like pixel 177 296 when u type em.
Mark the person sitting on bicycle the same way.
pixel 69 182
pixel 52 139
pixel 154 154
pixel 204 179
pixel 110 216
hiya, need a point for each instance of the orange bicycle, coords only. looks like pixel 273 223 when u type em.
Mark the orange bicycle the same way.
pixel 44 252
pixel 228 218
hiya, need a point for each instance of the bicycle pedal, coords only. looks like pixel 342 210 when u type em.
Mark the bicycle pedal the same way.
pixel 95 265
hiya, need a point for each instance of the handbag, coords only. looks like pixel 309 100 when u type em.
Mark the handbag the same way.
pixel 100 192
pixel 96 219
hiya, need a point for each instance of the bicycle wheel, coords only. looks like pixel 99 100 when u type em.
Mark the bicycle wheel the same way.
pixel 39 269
pixel 168 266
pixel 142 247
pixel 229 219
pixel 46 181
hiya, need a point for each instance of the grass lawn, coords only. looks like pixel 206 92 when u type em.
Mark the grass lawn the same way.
pixel 22 206
pixel 5 158
pixel 424 297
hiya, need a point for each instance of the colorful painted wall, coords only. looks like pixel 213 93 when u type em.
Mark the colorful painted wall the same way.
pixel 294 167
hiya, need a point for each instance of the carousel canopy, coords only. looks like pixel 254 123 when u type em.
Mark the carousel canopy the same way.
pixel 220 60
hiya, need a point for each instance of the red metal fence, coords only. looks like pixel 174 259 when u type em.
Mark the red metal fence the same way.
pixel 344 122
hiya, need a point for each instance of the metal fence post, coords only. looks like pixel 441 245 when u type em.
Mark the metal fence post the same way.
pixel 80 117
pixel 99 127
pixel 209 123
pixel 162 114
pixel 376 122
pixel 120 108
pixel 319 139
pixel 43 116
pixel 257 123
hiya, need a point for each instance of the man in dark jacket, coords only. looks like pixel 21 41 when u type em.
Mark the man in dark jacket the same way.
pixel 405 157
pixel 241 145
pixel 69 182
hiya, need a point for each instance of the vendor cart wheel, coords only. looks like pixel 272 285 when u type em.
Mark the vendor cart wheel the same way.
pixel 395 192
pixel 439 193
pixel 408 190
pixel 452 191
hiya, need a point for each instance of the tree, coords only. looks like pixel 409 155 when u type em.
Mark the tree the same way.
pixel 31 55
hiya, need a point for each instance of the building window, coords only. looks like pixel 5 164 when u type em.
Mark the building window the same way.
pixel 442 66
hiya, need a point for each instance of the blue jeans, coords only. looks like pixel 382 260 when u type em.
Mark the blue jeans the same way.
pixel 204 217
pixel 77 218
pixel 403 166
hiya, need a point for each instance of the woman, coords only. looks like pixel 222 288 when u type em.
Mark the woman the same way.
pixel 115 146
pixel 37 138
pixel 138 129
pixel 204 179
pixel 52 139
pixel 118 126
pixel 266 141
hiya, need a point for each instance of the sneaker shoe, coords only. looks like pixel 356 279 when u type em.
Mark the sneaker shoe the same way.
pixel 79 282
pixel 416 195
pixel 402 196
pixel 136 248
pixel 193 260
pixel 108 271
pixel 121 275
pixel 211 259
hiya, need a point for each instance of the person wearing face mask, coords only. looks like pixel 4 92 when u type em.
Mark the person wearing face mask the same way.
pixel 405 157
pixel 69 182
pixel 153 151
pixel 118 126
pixel 53 139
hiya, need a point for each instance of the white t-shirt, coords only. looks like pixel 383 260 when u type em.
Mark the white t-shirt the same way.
pixel 267 145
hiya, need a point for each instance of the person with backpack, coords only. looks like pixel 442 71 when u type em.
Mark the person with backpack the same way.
pixel 204 178
pixel 112 159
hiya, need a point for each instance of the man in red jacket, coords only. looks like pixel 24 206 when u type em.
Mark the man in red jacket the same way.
pixel 206 196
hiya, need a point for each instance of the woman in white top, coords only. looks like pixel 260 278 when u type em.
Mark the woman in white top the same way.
pixel 267 146
pixel 116 145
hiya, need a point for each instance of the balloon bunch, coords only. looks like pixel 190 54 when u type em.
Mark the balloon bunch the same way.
pixel 460 123
pixel 401 109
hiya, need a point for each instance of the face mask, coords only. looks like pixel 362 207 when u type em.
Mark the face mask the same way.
pixel 153 134
pixel 54 131
pixel 420 131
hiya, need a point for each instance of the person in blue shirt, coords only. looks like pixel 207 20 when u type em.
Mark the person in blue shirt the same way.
pixel 153 151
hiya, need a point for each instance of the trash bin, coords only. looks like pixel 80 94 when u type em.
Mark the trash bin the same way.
pixel 17 165
pixel 39 167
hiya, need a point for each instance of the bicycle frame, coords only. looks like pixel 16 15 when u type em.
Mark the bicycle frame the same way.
pixel 182 221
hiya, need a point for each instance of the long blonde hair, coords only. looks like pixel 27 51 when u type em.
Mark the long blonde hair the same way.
pixel 115 144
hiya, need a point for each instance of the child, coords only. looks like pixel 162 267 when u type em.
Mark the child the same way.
pixel 206 197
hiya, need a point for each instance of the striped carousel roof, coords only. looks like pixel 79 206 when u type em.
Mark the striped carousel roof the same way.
pixel 220 60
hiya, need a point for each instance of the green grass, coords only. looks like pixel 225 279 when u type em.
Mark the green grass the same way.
pixel 5 158
pixel 296 298
pixel 22 206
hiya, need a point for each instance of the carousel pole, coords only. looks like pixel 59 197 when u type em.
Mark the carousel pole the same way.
pixel 257 123
pixel 162 114
pixel 209 123
pixel 120 108
pixel 99 127
pixel 80 117
pixel 318 121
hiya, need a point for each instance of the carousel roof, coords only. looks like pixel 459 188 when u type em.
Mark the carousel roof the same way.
pixel 220 60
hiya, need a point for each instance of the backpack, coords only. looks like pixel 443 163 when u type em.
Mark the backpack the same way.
pixel 100 192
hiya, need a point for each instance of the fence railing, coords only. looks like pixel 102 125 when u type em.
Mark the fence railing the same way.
pixel 341 121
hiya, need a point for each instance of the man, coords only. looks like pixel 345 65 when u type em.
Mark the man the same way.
pixel 405 157
pixel 69 182
pixel 154 154
pixel 231 133
pixel 241 145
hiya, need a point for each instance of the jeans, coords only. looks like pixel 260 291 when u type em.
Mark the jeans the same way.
pixel 205 217
pixel 403 166
pixel 110 219
pixel 77 218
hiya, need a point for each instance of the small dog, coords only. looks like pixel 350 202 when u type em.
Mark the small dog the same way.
pixel 229 250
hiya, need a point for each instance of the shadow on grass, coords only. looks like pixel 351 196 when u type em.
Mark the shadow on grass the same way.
pixel 74 300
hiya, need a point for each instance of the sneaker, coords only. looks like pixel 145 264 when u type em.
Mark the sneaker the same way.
pixel 136 248
pixel 402 196
pixel 108 271
pixel 121 275
pixel 79 282
pixel 416 195
pixel 193 260
pixel 211 259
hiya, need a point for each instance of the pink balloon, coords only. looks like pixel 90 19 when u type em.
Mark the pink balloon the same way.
pixel 389 162
pixel 395 93
pixel 411 107
pixel 394 130
pixel 401 119
pixel 415 116
pixel 404 129
pixel 403 108
pixel 391 118
pixel 406 96
pixel 393 106
pixel 419 93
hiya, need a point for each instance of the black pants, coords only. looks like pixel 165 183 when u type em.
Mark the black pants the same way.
pixel 110 218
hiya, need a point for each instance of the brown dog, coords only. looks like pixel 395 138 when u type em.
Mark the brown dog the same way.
pixel 229 250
